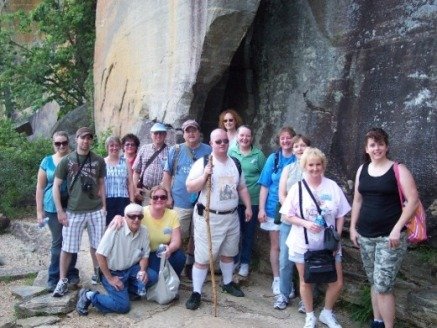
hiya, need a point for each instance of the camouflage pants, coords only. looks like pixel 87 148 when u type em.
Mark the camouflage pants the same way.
pixel 381 262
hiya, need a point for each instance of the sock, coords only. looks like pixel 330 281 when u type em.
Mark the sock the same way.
pixel 310 314
pixel 199 276
pixel 227 269
pixel 190 259
pixel 327 311
pixel 275 279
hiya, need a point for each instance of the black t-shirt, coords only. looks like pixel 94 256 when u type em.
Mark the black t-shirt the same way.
pixel 381 206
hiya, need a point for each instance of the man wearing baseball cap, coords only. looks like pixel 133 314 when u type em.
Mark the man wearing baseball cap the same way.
pixel 180 159
pixel 149 164
pixel 85 173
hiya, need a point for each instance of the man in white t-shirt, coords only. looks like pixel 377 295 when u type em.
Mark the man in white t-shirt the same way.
pixel 227 185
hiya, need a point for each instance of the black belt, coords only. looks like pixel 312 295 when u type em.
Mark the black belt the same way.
pixel 222 212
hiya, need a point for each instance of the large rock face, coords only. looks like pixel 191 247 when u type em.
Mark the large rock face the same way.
pixel 159 59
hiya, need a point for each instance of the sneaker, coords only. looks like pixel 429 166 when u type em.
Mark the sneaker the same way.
pixel 328 319
pixel 310 321
pixel 83 302
pixel 292 295
pixel 377 324
pixel 233 289
pixel 281 302
pixel 188 271
pixel 301 307
pixel 275 286
pixel 61 288
pixel 244 270
pixel 95 278
pixel 193 302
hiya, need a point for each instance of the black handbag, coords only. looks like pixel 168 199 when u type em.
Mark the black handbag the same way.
pixel 319 266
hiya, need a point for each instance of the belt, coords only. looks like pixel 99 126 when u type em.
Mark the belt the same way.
pixel 223 212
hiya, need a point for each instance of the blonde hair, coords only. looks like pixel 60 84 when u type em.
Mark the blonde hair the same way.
pixel 311 152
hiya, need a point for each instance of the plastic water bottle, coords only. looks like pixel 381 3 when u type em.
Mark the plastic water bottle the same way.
pixel 320 221
pixel 42 224
pixel 161 249
pixel 141 285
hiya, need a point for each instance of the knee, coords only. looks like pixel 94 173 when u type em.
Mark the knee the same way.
pixel 383 289
pixel 123 307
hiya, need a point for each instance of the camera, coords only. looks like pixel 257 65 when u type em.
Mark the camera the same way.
pixel 87 184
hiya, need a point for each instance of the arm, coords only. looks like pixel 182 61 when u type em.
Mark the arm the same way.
pixel 175 242
pixel 310 225
pixel 245 197
pixel 137 191
pixel 102 193
pixel 130 184
pixel 62 216
pixel 282 192
pixel 113 280
pixel 166 182
pixel 144 263
pixel 356 207
pixel 263 192
pixel 39 195
pixel 197 184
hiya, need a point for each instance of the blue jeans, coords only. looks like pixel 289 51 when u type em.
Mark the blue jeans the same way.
pixel 247 233
pixel 286 267
pixel 176 259
pixel 55 252
pixel 118 300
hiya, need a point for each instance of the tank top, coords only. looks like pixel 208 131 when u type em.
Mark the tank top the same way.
pixel 381 207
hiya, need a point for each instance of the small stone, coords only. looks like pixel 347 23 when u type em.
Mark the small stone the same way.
pixel 37 321
pixel 25 292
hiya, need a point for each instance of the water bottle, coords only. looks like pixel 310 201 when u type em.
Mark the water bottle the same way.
pixel 43 223
pixel 141 285
pixel 161 249
pixel 320 221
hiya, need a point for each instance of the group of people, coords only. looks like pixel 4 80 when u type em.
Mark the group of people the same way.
pixel 131 202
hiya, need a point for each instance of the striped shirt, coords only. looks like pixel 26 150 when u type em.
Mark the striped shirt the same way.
pixel 154 172
pixel 116 181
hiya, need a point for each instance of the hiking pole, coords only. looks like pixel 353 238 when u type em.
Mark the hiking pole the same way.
pixel 208 226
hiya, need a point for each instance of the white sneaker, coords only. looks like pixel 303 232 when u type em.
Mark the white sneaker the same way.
pixel 310 321
pixel 281 302
pixel 275 286
pixel 244 270
pixel 329 319
pixel 301 307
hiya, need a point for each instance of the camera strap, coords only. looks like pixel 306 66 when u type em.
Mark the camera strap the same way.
pixel 88 158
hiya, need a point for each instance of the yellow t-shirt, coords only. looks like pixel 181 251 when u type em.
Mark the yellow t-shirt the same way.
pixel 160 230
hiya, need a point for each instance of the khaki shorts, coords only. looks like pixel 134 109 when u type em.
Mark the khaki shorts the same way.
pixel 185 216
pixel 225 236
pixel 381 262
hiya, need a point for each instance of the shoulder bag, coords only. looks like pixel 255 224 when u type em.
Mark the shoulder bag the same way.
pixel 319 266
pixel 416 226
pixel 167 287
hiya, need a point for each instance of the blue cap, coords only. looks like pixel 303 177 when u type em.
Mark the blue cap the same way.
pixel 158 127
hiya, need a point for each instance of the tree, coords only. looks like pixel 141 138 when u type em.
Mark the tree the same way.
pixel 57 66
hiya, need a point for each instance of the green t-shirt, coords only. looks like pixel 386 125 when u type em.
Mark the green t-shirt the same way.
pixel 93 169
pixel 251 165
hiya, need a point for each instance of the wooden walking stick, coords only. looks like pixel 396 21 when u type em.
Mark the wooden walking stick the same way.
pixel 208 226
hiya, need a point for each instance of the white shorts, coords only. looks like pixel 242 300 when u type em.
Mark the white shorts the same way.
pixel 95 223
pixel 270 225
pixel 185 216
pixel 225 236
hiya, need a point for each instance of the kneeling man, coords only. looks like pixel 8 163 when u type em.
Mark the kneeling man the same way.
pixel 122 255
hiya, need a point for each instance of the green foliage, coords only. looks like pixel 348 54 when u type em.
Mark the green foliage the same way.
pixel 99 142
pixel 425 253
pixel 19 160
pixel 56 67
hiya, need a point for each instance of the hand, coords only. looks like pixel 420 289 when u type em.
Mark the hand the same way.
pixel 262 216
pixel 142 274
pixel 248 213
pixel 62 218
pixel 354 237
pixel 115 282
pixel 312 227
pixel 39 217
pixel 167 252
pixel 208 169
pixel 116 223
pixel 138 194
pixel 394 239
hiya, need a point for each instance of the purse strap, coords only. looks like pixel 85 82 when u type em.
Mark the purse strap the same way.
pixel 398 182
pixel 314 199
pixel 151 159
pixel 301 211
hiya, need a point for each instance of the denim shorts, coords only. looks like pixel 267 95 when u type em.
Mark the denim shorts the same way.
pixel 299 258
pixel 381 262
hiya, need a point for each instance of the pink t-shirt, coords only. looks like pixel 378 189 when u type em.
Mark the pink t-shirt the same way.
pixel 331 200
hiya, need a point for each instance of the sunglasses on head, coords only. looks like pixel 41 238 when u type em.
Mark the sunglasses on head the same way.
pixel 220 141
pixel 228 120
pixel 161 197
pixel 130 144
pixel 60 143
pixel 135 216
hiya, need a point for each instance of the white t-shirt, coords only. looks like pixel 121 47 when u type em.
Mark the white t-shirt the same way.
pixel 225 183
pixel 331 200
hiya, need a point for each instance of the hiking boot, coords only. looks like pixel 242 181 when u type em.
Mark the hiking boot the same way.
pixel 61 288
pixel 329 319
pixel 310 321
pixel 233 289
pixel 83 302
pixel 95 278
pixel 244 270
pixel 193 302
pixel 281 302
pixel 188 271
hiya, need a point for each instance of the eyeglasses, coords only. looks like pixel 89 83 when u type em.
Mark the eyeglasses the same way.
pixel 161 197
pixel 130 144
pixel 60 143
pixel 228 120
pixel 135 216
pixel 220 141
pixel 159 133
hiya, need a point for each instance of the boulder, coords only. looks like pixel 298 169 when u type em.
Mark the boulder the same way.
pixel 26 292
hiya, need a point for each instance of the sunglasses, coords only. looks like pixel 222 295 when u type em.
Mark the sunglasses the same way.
pixel 130 144
pixel 135 216
pixel 228 120
pixel 161 197
pixel 60 143
pixel 220 141
pixel 159 133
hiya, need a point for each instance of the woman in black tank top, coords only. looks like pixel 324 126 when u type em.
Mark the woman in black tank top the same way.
pixel 378 221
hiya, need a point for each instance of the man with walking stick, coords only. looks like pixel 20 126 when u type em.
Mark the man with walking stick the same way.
pixel 227 184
